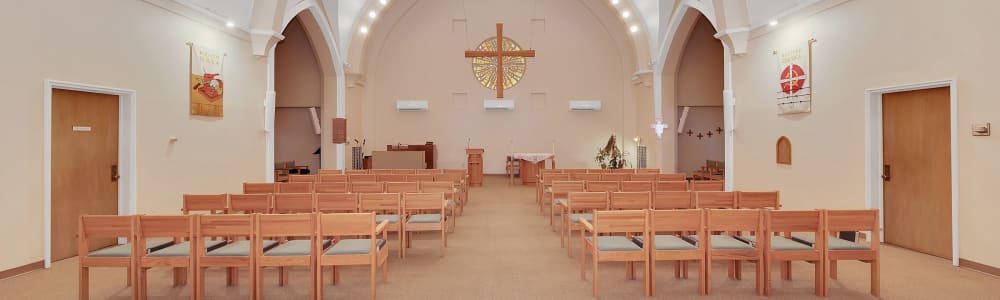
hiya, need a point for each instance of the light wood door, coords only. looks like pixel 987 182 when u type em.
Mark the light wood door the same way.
pixel 917 172
pixel 84 154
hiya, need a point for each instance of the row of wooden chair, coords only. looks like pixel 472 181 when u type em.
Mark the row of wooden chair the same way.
pixel 253 241
pixel 578 205
pixel 601 171
pixel 544 191
pixel 647 236
pixel 388 206
pixel 376 177
pixel 451 189
pixel 612 176
pixel 392 171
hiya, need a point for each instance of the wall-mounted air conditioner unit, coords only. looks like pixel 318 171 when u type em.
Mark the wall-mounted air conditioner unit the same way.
pixel 591 105
pixel 411 105
pixel 494 105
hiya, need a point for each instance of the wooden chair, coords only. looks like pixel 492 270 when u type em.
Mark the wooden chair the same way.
pixel 424 212
pixel 715 200
pixel 296 240
pixel 727 247
pixel 179 255
pixel 616 176
pixel 361 178
pixel 629 200
pixel 550 171
pixel 643 177
pixel 420 177
pixel 603 186
pixel 330 172
pixel 673 200
pixel 388 207
pixel 295 187
pixel 118 256
pixel 585 176
pixel 212 204
pixel 580 206
pixel 331 187
pixel 238 231
pixel 637 186
pixel 671 186
pixel 782 249
pixel 623 171
pixel 390 177
pixel 574 171
pixel 357 172
pixel 250 203
pixel 428 171
pixel 647 171
pixel 754 200
pixel 544 187
pixel 459 179
pixel 294 203
pixel 707 185
pixel 351 251
pixel 671 177
pixel 367 187
pixel 402 187
pixel 336 202
pixel 603 245
pixel 260 188
pixel 449 192
pixel 302 178
pixel 557 200
pixel 332 178
pixel 381 171
pixel 667 244
pixel 840 249
pixel 402 171
pixel 599 171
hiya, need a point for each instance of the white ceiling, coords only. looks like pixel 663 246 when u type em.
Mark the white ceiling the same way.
pixel 763 11
pixel 237 11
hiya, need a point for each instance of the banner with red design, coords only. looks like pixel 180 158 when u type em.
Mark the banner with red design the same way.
pixel 794 93
pixel 206 85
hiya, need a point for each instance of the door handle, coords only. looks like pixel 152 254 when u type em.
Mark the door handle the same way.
pixel 114 173
pixel 886 173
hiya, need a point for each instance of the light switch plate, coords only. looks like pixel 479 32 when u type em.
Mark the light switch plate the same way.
pixel 981 129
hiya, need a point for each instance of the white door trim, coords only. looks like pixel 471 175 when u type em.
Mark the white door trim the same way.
pixel 873 150
pixel 126 151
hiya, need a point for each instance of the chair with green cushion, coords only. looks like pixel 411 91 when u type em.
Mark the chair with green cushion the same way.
pixel 543 189
pixel 450 196
pixel 356 234
pixel 610 238
pixel 580 206
pixel 557 199
pixel 295 233
pixel 178 256
pixel 250 203
pixel 780 247
pixel 387 207
pixel 667 245
pixel 239 230
pixel 120 256
pixel 424 212
pixel 839 249
pixel 726 247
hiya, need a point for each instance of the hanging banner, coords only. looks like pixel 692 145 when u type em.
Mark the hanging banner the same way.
pixel 794 93
pixel 206 85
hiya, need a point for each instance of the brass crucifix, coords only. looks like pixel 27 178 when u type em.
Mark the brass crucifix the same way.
pixel 500 53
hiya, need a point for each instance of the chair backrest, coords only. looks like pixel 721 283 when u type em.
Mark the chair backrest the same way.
pixel 616 176
pixel 302 178
pixel 381 171
pixel 330 172
pixel 574 171
pixel 671 177
pixel 103 226
pixel 673 200
pixel 643 177
pixel 708 185
pixel 735 220
pixel 619 221
pixel 788 221
pixel 629 200
pixel 585 176
pixel 599 171
pixel 671 186
pixel 380 202
pixel 331 187
pixel 336 202
pixel 550 171
pixel 853 220
pixel 447 188
pixel 449 177
pixel 295 187
pixel 647 171
pixel 637 186
pixel 342 224
pixel 250 203
pixel 418 177
pixel 715 199
pixel 623 171
pixel 587 201
pixel 355 172
pixel 259 188
pixel 294 203
pixel 285 225
pixel 390 177
pixel 454 171
pixel 428 171
pixel 672 220
pixel 423 202
pixel 603 186
pixel 332 178
pixel 361 177
pixel 178 227
pixel 549 177
pixel 561 188
pixel 402 187
pixel 367 187
pixel 402 171
pixel 213 204
pixel 225 226
pixel 759 200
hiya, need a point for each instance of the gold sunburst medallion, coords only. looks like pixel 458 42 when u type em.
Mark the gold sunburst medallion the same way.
pixel 485 68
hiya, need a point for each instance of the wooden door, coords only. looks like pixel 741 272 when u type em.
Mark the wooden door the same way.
pixel 916 141
pixel 84 154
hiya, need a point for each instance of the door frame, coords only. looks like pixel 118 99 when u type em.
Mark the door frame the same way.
pixel 126 151
pixel 873 151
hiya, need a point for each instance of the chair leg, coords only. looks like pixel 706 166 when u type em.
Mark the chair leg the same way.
pixel 818 277
pixel 738 269
pixel 684 269
pixel 128 274
pixel 651 276
pixel 583 266
pixel 703 277
pixel 373 272
pixel 708 274
pixel 594 259
pixel 786 270
pixel 444 242
pixel 258 283
pixel 179 276
pixel 199 286
pixel 767 279
pixel 143 287
pixel 833 269
pixel 232 276
pixel 875 273
pixel 760 276
pixel 385 270
pixel 84 283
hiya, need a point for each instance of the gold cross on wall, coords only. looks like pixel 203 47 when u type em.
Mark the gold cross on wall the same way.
pixel 499 54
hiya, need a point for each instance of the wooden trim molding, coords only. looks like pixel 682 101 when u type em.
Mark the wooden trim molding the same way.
pixel 38 265
pixel 966 264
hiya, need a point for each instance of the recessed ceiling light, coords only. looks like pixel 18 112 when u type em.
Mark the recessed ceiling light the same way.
pixel 230 24
pixel 614 2
pixel 773 23
pixel 364 29
pixel 384 2
pixel 634 28
pixel 626 14
pixel 372 14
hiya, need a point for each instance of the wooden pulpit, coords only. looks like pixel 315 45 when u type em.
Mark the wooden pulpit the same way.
pixel 475 166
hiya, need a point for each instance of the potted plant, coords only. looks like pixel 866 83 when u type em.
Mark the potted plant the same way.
pixel 610 157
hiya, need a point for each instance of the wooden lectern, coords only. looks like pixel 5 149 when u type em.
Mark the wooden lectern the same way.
pixel 475 166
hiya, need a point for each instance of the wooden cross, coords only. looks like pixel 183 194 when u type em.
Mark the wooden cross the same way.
pixel 499 54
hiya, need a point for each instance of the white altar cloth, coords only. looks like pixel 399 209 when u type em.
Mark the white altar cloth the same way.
pixel 532 157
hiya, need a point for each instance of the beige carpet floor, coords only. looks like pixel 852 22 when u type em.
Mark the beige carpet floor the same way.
pixel 503 249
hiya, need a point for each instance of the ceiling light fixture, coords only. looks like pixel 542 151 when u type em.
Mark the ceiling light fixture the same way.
pixel 773 23
pixel 614 2
pixel 634 28
pixel 372 14
pixel 364 29
pixel 626 14
pixel 230 24
pixel 384 2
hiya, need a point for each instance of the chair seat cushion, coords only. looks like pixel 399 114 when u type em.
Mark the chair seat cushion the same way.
pixel 239 248
pixel 834 243
pixel 561 201
pixel 294 248
pixel 725 242
pixel 125 250
pixel 575 218
pixel 354 246
pixel 425 218
pixel 614 243
pixel 668 242
pixel 184 248
pixel 780 243
pixel 548 190
pixel 393 219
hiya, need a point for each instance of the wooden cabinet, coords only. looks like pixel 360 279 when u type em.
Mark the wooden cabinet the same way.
pixel 430 152
pixel 475 166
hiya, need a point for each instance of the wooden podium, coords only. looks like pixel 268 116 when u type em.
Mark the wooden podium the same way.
pixel 475 166
pixel 430 152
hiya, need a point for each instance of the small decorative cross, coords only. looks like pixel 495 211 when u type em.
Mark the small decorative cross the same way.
pixel 659 126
